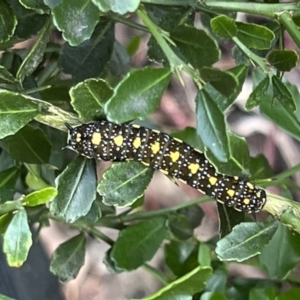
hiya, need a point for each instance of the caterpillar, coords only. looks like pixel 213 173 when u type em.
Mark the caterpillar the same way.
pixel 112 142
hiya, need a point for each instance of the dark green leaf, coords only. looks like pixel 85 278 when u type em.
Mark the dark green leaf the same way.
pixel 184 287
pixel 255 36
pixel 283 60
pixel 119 64
pixel 211 126
pixel 8 22
pixel 282 254
pixel 238 163
pixel 193 213
pixel 37 5
pixel 218 281
pixel 39 197
pixel 5 219
pixel 36 53
pixel 138 94
pixel 17 239
pixel 133 45
pixel 8 179
pixel 224 27
pixel 259 94
pixel 29 21
pixel 68 258
pixel 138 243
pixel 76 20
pixel 196 45
pixel 181 257
pixel 260 167
pixel 189 136
pixel 263 293
pixel 213 296
pixel 180 227
pixel 29 145
pixel 89 58
pixel 124 183
pixel 222 81
pixel 283 95
pixel 76 187
pixel 6 76
pixel 292 294
pixel 246 240
pixel 224 102
pixel 118 7
pixel 89 97
pixel 15 112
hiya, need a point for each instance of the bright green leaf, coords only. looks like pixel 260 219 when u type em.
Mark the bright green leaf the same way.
pixel 184 287
pixel 89 97
pixel 259 94
pixel 15 112
pixel 17 239
pixel 68 258
pixel 76 187
pixel 40 197
pixel 141 242
pixel 138 94
pixel 118 7
pixel 224 27
pixel 124 183
pixel 255 36
pixel 76 19
pixel 246 240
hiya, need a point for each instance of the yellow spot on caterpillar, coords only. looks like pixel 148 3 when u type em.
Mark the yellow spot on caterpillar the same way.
pixel 212 180
pixel 246 201
pixel 118 140
pixel 155 147
pixel 194 168
pixel 137 143
pixel 250 186
pixel 231 193
pixel 174 156
pixel 78 137
pixel 96 138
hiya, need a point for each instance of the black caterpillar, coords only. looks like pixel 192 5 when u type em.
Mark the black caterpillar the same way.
pixel 112 142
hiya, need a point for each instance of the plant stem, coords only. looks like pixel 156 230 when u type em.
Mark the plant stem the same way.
pixel 100 235
pixel 261 9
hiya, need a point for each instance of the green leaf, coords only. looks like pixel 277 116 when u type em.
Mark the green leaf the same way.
pixel 123 183
pixel 141 242
pixel 184 287
pixel 17 239
pixel 255 36
pixel 196 45
pixel 224 27
pixel 211 126
pixel 76 19
pixel 223 82
pixel 180 227
pixel 37 5
pixel 283 95
pixel 283 60
pixel 15 112
pixel 259 94
pixel 238 163
pixel 291 294
pixel 89 59
pixel 76 187
pixel 246 240
pixel 118 7
pixel 5 220
pixel 260 167
pixel 3 297
pixel 224 102
pixel 213 296
pixel 8 22
pixel 282 254
pixel 36 53
pixel 29 145
pixel 8 179
pixel 6 76
pixel 89 97
pixel 138 94
pixel 218 280
pixel 29 21
pixel 39 197
pixel 181 256
pixel 189 136
pixel 133 45
pixel 68 258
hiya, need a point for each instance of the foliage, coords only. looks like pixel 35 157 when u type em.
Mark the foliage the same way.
pixel 36 99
